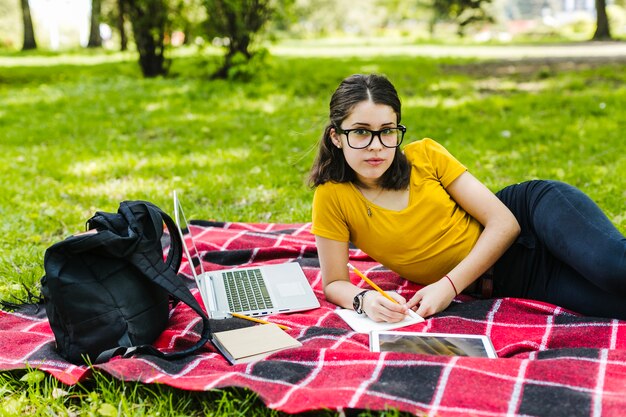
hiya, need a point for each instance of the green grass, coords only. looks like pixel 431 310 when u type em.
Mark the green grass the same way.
pixel 82 133
pixel 34 393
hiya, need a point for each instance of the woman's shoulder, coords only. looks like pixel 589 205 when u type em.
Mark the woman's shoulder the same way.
pixel 331 196
pixel 422 146
pixel 332 188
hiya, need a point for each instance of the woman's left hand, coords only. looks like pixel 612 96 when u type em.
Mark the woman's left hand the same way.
pixel 432 298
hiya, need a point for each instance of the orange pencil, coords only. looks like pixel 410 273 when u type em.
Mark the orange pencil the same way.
pixel 254 319
pixel 371 283
pixel 381 291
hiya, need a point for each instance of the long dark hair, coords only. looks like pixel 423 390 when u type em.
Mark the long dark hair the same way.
pixel 330 164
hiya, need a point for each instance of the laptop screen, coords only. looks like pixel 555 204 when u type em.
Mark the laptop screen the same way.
pixel 189 246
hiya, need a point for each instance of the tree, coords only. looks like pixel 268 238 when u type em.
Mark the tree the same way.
pixel 603 31
pixel 149 20
pixel 95 40
pixel 188 17
pixel 119 22
pixel 237 21
pixel 115 15
pixel 463 12
pixel 29 32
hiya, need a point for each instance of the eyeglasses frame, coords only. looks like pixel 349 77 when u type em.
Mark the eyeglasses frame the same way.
pixel 374 133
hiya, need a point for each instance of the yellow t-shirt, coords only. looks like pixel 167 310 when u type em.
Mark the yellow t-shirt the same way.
pixel 421 243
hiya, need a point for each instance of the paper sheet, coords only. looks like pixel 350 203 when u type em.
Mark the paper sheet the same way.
pixel 360 323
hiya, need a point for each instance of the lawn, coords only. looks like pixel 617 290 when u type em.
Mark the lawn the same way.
pixel 80 133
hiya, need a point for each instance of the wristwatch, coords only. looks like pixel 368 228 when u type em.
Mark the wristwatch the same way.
pixel 357 302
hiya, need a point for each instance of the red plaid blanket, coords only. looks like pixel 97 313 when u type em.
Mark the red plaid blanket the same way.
pixel 551 362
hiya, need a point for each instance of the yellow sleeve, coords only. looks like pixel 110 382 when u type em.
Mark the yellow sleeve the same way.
pixel 328 219
pixel 432 156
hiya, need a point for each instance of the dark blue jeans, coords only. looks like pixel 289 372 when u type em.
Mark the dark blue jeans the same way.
pixel 568 253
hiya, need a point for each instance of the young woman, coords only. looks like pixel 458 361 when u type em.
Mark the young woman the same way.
pixel 421 214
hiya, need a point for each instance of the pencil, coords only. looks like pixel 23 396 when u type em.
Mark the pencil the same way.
pixel 382 292
pixel 254 319
pixel 371 283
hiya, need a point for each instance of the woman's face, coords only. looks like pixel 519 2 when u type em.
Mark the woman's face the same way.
pixel 369 163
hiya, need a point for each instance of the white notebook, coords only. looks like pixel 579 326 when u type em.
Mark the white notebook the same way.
pixel 360 323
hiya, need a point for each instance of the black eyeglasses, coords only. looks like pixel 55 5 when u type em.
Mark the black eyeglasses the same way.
pixel 390 137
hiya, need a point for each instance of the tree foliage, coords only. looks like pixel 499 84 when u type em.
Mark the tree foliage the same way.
pixel 188 16
pixel 463 12
pixel 236 21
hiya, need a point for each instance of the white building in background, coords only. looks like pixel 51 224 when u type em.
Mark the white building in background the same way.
pixel 528 9
pixel 564 11
pixel 517 17
pixel 61 23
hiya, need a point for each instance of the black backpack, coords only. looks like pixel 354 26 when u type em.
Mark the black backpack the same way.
pixel 107 291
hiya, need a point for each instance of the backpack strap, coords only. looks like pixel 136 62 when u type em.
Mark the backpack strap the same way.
pixel 162 274
pixel 163 278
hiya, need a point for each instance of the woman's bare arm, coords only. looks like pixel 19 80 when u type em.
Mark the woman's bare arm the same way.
pixel 500 231
pixel 338 289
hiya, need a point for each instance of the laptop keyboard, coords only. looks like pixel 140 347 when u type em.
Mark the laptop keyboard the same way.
pixel 246 290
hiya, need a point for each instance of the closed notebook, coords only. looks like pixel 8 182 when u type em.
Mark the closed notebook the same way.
pixel 252 343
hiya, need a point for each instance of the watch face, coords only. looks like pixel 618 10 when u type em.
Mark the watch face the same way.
pixel 357 303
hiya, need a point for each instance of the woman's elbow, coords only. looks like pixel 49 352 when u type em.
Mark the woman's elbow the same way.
pixel 332 291
pixel 328 291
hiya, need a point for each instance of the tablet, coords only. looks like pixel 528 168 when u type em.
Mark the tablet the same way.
pixel 448 344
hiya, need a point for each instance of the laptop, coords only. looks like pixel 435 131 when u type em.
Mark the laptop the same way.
pixel 253 291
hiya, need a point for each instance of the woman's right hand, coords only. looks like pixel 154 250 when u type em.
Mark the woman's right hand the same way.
pixel 379 308
pixel 433 298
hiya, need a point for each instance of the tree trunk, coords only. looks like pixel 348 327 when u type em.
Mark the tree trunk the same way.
pixel 149 20
pixel 603 31
pixel 121 11
pixel 95 40
pixel 151 57
pixel 29 33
